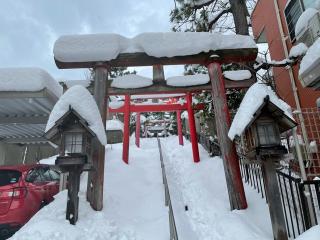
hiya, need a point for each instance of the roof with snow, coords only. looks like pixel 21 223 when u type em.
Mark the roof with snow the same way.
pixel 146 49
pixel 27 96
pixel 79 99
pixel 257 97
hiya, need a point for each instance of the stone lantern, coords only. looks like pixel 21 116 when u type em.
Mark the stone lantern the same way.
pixel 73 136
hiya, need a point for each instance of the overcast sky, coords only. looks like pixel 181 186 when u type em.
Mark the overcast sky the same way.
pixel 29 28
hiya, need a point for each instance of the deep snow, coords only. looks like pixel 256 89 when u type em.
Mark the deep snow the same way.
pixel 134 201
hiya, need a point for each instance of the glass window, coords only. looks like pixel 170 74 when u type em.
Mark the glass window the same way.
pixel 8 177
pixel 73 143
pixel 309 3
pixel 292 13
pixel 34 176
pixel 267 134
pixel 46 174
pixel 54 175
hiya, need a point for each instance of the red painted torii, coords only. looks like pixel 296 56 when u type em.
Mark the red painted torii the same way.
pixel 127 108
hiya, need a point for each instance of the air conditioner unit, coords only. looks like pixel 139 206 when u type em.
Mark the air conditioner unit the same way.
pixel 311 31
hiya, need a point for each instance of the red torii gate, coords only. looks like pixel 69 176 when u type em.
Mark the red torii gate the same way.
pixel 127 108
pixel 87 51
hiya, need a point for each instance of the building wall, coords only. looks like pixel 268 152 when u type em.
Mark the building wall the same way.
pixel 11 154
pixel 264 20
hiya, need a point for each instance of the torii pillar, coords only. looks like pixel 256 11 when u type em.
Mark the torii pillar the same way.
pixel 230 158
pixel 192 128
pixel 126 130
pixel 179 126
pixel 138 126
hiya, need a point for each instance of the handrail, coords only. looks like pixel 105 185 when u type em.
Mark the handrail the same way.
pixel 172 224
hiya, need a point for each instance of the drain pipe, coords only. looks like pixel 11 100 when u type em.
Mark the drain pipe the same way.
pixel 293 83
pixel 301 119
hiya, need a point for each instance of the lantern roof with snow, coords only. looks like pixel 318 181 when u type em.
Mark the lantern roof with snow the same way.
pixel 67 121
pixel 82 103
pixel 261 100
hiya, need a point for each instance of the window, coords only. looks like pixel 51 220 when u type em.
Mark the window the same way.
pixel 8 177
pixel 292 13
pixel 73 142
pixel 267 134
pixel 34 176
pixel 54 175
pixel 309 3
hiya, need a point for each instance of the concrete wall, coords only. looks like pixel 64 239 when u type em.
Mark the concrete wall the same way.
pixel 11 154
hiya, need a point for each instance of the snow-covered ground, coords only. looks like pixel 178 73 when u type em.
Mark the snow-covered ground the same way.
pixel 134 201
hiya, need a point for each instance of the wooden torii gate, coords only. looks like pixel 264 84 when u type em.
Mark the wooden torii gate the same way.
pixel 67 55
pixel 127 108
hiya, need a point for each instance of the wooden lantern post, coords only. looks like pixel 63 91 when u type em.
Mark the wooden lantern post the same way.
pixel 192 128
pixel 138 126
pixel 179 126
pixel 230 158
pixel 126 130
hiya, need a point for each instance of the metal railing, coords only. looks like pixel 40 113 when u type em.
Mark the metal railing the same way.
pixel 211 146
pixel 300 199
pixel 172 224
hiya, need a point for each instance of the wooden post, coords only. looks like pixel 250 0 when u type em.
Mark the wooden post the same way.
pixel 236 192
pixel 96 177
pixel 179 126
pixel 138 129
pixel 192 128
pixel 274 200
pixel 126 130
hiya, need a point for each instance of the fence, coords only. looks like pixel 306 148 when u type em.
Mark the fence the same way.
pixel 172 224
pixel 300 199
pixel 208 143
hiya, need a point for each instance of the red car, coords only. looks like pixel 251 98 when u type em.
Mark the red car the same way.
pixel 24 189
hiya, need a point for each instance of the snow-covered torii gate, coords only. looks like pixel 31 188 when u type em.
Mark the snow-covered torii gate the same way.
pixel 102 51
pixel 127 108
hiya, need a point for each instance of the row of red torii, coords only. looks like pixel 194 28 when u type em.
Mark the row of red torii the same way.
pixel 211 58
pixel 128 108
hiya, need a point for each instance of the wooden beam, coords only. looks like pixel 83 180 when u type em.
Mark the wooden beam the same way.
pixel 142 59
pixel 161 88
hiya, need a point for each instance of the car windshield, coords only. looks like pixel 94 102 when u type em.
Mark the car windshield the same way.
pixel 8 177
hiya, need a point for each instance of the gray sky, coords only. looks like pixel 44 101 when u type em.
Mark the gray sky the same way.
pixel 29 28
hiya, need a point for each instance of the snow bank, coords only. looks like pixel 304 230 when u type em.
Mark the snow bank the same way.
pixel 70 83
pixel 237 75
pixel 131 81
pixel 188 80
pixel 311 234
pixel 184 115
pixel 209 216
pixel 116 104
pixel 299 50
pixel 311 56
pixel 28 79
pixel 304 19
pixel 114 124
pixel 49 160
pixel 80 99
pixel 105 47
pixel 251 102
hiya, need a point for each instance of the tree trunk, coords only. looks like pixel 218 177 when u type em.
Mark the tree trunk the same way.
pixel 240 13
